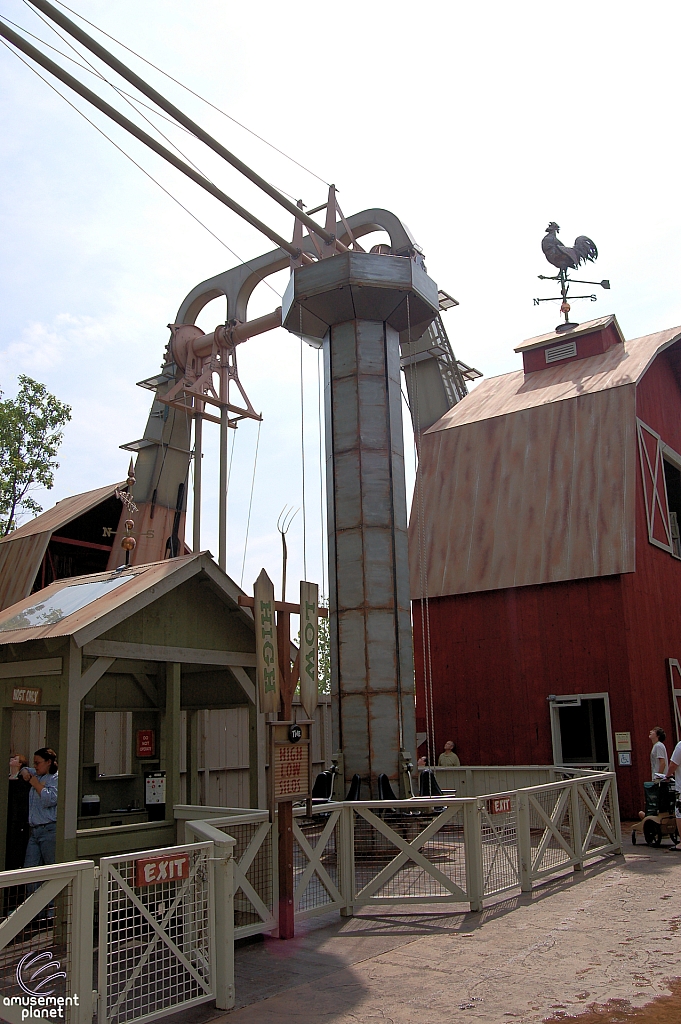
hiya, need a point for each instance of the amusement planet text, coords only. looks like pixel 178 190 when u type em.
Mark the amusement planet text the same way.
pixel 40 1007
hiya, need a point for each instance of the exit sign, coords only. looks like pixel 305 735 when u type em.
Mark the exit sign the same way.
pixel 156 870
pixel 500 805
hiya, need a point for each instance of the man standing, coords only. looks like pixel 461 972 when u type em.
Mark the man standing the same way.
pixel 658 755
pixel 42 808
pixel 448 759
pixel 675 770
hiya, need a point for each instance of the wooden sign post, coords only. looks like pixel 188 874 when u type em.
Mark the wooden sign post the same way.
pixel 290 756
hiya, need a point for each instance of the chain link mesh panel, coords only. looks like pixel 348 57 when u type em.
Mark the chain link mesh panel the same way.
pixel 38 958
pixel 156 939
pixel 417 856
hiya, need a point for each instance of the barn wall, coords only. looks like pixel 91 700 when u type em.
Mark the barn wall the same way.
pixel 497 656
pixel 652 595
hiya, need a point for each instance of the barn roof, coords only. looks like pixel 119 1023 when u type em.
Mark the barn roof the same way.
pixel 511 392
pixel 84 607
pixel 22 550
pixel 63 512
pixel 531 479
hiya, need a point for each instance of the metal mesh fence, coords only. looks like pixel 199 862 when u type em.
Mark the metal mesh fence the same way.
pixel 37 960
pixel 317 829
pixel 499 838
pixel 157 940
pixel 397 861
pixel 259 872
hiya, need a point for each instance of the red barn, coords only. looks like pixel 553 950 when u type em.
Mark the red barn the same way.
pixel 546 561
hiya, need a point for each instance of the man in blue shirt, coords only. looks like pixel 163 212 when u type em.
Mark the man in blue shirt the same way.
pixel 42 808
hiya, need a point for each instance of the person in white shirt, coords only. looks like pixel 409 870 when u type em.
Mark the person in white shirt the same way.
pixel 675 770
pixel 658 755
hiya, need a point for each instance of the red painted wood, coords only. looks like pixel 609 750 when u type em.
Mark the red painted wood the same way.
pixel 496 656
pixel 587 345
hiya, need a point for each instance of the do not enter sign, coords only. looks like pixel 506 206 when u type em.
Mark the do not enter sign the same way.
pixel 154 870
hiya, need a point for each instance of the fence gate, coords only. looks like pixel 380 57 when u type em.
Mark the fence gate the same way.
pixel 156 932
pixel 46 942
pixel 316 863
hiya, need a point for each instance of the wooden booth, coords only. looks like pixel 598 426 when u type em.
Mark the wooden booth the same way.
pixel 118 672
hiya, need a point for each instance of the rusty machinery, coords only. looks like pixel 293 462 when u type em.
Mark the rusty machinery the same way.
pixel 373 314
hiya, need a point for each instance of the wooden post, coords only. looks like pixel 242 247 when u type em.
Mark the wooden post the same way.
pixel 256 757
pixel 5 741
pixel 170 746
pixel 193 741
pixel 285 807
pixel 524 839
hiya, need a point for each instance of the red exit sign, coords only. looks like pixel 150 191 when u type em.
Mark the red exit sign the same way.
pixel 499 805
pixel 155 870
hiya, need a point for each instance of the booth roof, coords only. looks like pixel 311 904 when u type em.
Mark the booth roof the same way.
pixel 86 606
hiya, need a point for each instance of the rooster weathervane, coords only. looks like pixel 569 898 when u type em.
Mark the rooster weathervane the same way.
pixel 565 258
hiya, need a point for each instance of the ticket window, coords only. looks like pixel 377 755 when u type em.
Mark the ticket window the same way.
pixel 581 730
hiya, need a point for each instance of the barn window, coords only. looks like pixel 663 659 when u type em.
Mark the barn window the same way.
pixel 672 479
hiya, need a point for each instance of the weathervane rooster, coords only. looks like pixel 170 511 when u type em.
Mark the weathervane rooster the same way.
pixel 565 258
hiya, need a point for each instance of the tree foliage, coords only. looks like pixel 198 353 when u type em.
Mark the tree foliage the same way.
pixel 30 435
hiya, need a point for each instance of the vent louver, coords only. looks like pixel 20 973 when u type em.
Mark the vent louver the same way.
pixel 566 351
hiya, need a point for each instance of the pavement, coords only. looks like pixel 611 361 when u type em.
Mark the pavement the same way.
pixel 604 943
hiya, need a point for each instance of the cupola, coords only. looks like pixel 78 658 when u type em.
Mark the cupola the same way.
pixel 566 345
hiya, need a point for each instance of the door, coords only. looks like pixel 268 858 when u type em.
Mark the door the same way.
pixel 581 731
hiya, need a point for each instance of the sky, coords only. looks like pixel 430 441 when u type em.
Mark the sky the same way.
pixel 476 124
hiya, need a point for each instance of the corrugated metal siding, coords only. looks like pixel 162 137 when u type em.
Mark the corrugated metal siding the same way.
pixel 537 496
pixel 20 559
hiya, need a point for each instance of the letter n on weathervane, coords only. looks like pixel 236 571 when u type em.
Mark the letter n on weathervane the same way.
pixel 266 658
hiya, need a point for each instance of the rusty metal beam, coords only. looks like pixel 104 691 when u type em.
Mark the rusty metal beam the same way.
pixel 170 108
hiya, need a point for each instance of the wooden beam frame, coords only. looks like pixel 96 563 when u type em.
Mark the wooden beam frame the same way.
pixel 178 655
pixel 21 669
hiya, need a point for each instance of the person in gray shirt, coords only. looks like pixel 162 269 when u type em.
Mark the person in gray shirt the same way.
pixel 42 808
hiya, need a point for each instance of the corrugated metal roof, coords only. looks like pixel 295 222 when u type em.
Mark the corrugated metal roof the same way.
pixel 516 391
pixel 63 512
pixel 146 584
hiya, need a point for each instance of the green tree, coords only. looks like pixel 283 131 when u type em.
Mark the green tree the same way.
pixel 30 435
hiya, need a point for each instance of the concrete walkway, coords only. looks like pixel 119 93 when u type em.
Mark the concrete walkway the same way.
pixel 614 934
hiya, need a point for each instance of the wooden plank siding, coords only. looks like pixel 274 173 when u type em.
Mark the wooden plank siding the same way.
pixel 537 496
pixel 497 654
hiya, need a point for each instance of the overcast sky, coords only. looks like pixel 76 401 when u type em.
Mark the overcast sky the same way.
pixel 475 123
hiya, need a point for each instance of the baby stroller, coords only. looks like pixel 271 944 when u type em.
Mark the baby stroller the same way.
pixel 659 818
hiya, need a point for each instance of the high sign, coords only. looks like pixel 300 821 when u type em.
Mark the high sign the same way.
pixel 155 870
pixel 309 646
pixel 289 762
pixel 27 695
pixel 266 659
